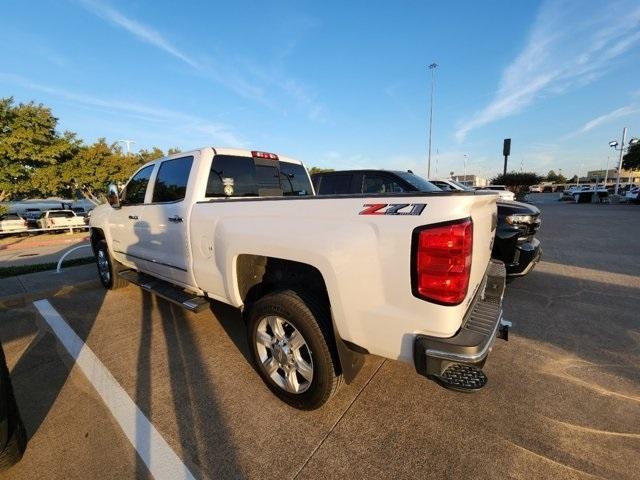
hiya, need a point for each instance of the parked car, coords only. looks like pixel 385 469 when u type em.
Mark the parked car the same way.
pixel 13 437
pixel 31 215
pixel 515 243
pixel 321 280
pixel 633 195
pixel 57 219
pixel 501 190
pixel 535 189
pixel 12 222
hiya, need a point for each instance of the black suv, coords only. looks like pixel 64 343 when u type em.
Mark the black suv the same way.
pixel 518 222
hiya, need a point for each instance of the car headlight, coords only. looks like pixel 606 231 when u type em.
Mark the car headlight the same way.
pixel 520 219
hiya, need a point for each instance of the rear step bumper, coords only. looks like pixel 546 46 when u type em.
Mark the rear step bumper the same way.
pixel 433 356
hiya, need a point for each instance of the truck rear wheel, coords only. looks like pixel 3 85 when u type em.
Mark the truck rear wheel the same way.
pixel 293 348
pixel 108 268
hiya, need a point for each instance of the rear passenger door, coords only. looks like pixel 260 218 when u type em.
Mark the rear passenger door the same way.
pixel 162 229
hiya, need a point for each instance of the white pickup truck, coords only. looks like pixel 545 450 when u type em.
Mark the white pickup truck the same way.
pixel 321 280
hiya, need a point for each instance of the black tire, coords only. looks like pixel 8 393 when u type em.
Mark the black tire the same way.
pixel 313 320
pixel 12 432
pixel 112 281
pixel 15 447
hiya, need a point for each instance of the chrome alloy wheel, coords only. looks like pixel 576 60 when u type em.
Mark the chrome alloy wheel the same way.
pixel 103 266
pixel 284 354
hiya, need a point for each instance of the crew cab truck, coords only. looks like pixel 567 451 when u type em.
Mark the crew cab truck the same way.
pixel 321 281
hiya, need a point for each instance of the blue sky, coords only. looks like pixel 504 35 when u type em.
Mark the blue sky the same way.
pixel 337 84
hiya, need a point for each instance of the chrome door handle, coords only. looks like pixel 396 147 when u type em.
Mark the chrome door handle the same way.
pixel 133 217
pixel 175 219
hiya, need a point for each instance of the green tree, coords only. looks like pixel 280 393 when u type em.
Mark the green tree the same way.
pixel 314 170
pixel 552 176
pixel 149 155
pixel 94 166
pixel 30 148
pixel 631 160
pixel 517 181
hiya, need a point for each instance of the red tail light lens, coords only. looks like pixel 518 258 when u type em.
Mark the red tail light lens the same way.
pixel 442 262
pixel 270 156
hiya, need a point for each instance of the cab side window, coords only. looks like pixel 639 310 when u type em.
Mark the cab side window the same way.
pixel 136 189
pixel 171 181
pixel 334 184
pixel 373 183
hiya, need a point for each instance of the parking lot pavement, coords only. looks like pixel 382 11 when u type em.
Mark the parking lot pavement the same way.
pixel 46 248
pixel 563 398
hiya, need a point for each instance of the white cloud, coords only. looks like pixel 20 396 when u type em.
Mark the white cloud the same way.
pixel 571 44
pixel 217 132
pixel 245 80
pixel 608 117
pixel 143 32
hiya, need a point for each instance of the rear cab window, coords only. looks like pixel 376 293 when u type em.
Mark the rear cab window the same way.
pixel 254 177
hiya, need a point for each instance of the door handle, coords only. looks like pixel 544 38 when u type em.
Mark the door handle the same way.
pixel 175 219
pixel 133 217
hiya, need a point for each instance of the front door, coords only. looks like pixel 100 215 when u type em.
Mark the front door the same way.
pixel 164 235
pixel 124 222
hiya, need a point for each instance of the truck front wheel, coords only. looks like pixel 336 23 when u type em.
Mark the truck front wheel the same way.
pixel 293 349
pixel 108 268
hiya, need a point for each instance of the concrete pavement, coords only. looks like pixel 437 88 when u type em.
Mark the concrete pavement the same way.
pixel 563 398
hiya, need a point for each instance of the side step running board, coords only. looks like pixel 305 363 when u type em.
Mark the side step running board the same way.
pixel 166 290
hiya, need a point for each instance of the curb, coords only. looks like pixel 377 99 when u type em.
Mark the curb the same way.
pixel 21 299
pixel 23 246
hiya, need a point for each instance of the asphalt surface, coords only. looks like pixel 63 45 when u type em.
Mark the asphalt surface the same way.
pixel 563 398
pixel 17 250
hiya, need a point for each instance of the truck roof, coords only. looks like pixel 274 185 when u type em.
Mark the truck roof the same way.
pixel 241 152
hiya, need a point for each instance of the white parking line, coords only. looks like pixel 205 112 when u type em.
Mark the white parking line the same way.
pixel 160 459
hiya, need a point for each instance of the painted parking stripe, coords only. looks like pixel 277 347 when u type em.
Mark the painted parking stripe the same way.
pixel 160 459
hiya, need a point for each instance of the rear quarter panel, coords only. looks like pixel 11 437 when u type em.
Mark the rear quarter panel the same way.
pixel 364 259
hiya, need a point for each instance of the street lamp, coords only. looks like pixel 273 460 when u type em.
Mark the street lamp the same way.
pixel 431 67
pixel 614 144
pixel 128 144
pixel 466 157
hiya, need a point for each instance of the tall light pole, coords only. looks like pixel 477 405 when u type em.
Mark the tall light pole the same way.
pixel 466 157
pixel 128 144
pixel 432 67
pixel 614 144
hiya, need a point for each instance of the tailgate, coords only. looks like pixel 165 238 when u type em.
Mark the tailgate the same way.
pixel 485 219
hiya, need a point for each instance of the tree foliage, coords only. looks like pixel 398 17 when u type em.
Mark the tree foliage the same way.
pixel 517 181
pixel 314 170
pixel 38 161
pixel 554 177
pixel 631 160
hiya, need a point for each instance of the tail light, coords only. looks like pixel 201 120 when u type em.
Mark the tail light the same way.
pixel 442 261
pixel 270 156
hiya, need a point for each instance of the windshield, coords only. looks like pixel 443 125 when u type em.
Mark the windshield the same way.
pixel 463 187
pixel 419 183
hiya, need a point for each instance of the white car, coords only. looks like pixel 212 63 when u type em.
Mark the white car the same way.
pixel 501 190
pixel 12 222
pixel 633 194
pixel 535 189
pixel 321 280
pixel 60 219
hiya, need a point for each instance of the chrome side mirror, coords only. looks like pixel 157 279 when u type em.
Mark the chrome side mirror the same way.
pixel 113 196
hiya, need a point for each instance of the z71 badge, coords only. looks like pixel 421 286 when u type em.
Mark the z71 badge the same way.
pixel 393 208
